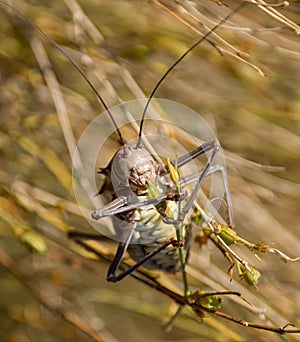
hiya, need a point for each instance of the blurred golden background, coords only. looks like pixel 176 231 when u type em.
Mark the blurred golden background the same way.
pixel 125 47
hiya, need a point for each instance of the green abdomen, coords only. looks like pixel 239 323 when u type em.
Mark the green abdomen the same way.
pixel 152 232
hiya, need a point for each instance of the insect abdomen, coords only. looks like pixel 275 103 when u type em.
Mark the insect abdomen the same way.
pixel 152 233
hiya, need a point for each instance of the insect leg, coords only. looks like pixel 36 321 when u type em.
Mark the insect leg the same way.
pixel 121 207
pixel 78 237
pixel 222 169
pixel 215 149
pixel 111 274
pixel 110 209
pixel 186 158
pixel 186 180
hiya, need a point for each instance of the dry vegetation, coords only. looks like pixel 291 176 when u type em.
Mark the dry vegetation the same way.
pixel 124 47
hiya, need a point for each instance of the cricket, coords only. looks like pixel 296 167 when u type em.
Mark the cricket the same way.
pixel 159 205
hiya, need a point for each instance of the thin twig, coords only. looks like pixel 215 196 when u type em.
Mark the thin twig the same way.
pixel 236 54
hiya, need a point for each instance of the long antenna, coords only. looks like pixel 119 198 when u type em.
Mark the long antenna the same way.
pixel 71 60
pixel 233 12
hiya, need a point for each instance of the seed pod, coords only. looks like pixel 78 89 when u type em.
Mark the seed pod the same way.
pixel 227 234
pixel 34 241
pixel 208 301
pixel 251 278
